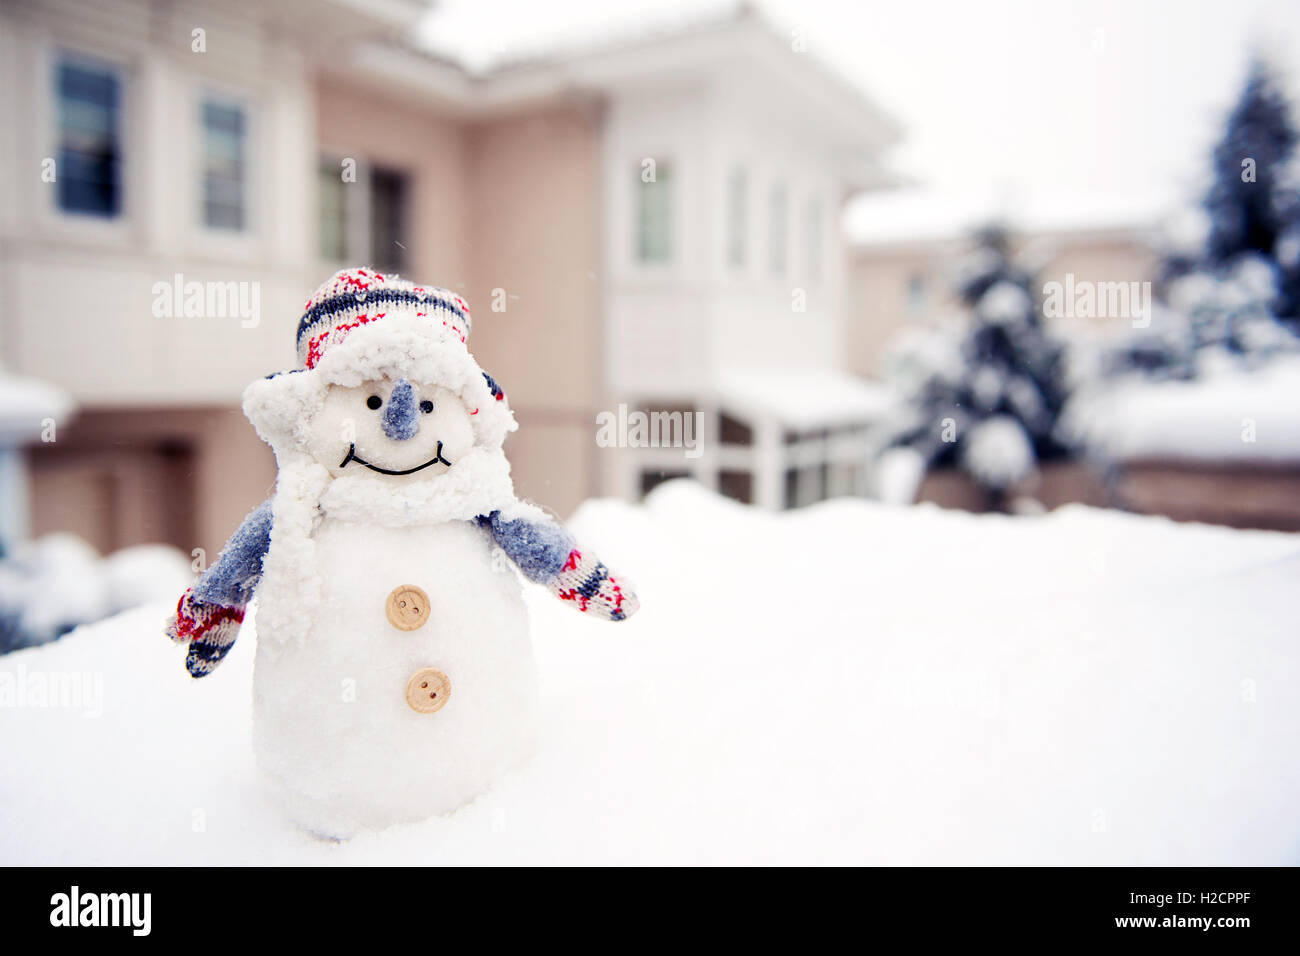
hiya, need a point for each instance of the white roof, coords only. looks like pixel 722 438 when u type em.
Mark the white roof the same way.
pixel 565 59
pixel 803 399
pixel 1230 416
pixel 923 214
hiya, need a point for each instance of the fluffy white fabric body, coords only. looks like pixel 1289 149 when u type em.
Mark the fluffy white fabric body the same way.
pixel 333 730
pixel 332 726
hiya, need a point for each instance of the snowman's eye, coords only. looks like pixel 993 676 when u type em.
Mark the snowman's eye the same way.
pixel 426 406
pixel 374 401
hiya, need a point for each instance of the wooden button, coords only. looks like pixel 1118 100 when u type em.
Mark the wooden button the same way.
pixel 407 607
pixel 427 690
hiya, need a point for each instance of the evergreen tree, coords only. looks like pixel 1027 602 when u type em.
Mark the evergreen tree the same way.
pixel 992 411
pixel 1246 202
pixel 1239 294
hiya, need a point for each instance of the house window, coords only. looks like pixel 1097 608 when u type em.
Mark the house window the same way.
pixel 738 485
pixel 654 215
pixel 778 223
pixel 737 217
pixel 332 211
pixel 225 165
pixel 813 238
pixel 792 488
pixel 805 486
pixel 363 217
pixel 388 191
pixel 732 431
pixel 89 169
pixel 916 295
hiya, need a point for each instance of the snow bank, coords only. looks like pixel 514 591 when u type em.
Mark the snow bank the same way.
pixel 846 683
pixel 1232 416
pixel 52 584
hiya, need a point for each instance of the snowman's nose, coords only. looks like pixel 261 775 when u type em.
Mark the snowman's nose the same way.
pixel 401 417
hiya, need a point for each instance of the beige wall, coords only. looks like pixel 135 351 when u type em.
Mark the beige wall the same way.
pixel 353 122
pixel 119 477
pixel 876 299
pixel 533 188
pixel 877 293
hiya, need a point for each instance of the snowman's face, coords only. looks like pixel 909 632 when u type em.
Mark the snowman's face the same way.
pixel 402 431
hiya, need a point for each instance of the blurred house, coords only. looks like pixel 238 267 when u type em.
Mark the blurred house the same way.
pixel 904 249
pixel 1189 451
pixel 647 227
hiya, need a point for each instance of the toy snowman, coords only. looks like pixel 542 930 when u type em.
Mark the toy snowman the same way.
pixel 394 676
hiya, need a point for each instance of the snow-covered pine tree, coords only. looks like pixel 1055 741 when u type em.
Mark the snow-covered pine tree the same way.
pixel 1239 293
pixel 993 411
pixel 1246 201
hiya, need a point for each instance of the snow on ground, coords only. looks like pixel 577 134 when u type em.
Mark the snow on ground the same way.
pixel 1235 415
pixel 849 683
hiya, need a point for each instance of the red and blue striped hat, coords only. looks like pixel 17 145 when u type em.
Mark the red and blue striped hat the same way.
pixel 353 298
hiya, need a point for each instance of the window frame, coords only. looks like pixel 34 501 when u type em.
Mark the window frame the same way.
pixel 238 99
pixel 814 227
pixel 408 188
pixel 916 294
pixel 68 59
pixel 669 260
pixel 351 208
pixel 778 266
pixel 358 237
pixel 737 218
pixel 70 224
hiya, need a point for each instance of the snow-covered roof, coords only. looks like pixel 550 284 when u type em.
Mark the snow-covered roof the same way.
pixel 539 34
pixel 1232 416
pixel 25 403
pixel 925 215
pixel 578 59
pixel 803 399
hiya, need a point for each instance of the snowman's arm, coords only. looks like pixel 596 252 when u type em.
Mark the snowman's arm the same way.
pixel 234 576
pixel 208 615
pixel 547 554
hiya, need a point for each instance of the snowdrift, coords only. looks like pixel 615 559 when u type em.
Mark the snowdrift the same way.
pixel 849 683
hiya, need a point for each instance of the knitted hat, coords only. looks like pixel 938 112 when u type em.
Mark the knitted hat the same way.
pixel 362 325
pixel 357 297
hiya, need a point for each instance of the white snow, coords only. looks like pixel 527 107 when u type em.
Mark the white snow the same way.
pixel 898 475
pixel 25 403
pixel 799 398
pixel 997 452
pixel 1287 248
pixel 60 580
pixel 1233 415
pixel 144 573
pixel 845 683
pixel 1004 303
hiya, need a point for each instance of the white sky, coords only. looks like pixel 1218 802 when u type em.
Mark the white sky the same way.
pixel 1106 103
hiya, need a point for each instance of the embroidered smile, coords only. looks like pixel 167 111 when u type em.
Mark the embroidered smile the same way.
pixel 352 456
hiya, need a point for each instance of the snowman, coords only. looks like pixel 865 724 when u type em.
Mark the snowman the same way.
pixel 394 676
